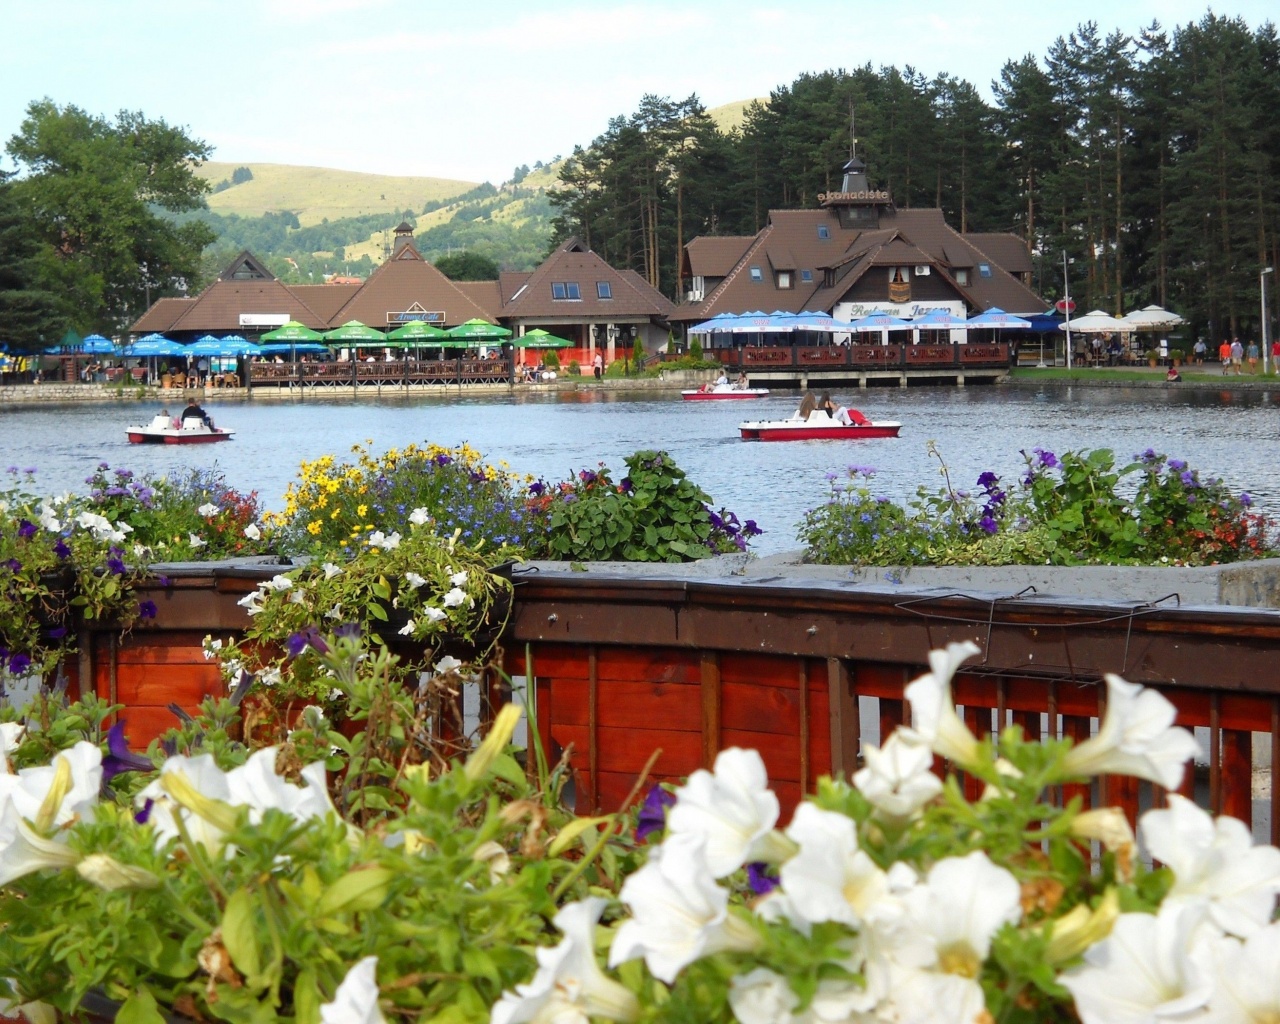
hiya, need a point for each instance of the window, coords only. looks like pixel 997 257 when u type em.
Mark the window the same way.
pixel 984 269
pixel 604 290
pixel 784 279
pixel 756 275
pixel 824 231
pixel 557 289
pixel 806 276
pixel 962 277
pixel 565 290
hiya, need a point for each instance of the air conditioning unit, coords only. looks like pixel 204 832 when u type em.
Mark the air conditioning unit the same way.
pixel 922 270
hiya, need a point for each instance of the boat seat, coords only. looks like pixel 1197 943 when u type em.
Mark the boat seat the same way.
pixel 191 423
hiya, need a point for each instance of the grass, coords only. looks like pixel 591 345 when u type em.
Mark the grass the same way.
pixel 1208 373
pixel 316 193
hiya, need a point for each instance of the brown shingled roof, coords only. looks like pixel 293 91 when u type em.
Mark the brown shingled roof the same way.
pixel 714 255
pixel 1008 250
pixel 574 262
pixel 162 314
pixel 326 299
pixel 484 294
pixel 406 279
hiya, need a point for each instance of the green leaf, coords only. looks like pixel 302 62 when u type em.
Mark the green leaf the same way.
pixel 140 1008
pixel 356 890
pixel 239 934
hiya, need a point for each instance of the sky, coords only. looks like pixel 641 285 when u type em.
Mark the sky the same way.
pixel 472 90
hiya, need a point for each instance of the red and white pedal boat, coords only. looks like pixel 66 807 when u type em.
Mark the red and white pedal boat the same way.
pixel 720 391
pixel 161 430
pixel 819 426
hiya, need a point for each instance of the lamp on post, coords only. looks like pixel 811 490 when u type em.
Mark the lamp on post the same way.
pixel 1266 347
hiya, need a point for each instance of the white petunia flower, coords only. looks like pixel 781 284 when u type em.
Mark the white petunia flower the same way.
pixel 39 800
pixel 446 665
pixel 762 997
pixel 334 613
pixel 298 596
pixel 569 987
pixel 414 580
pixel 408 628
pixel 356 1001
pixel 107 873
pixel 1214 862
pixel 432 614
pixel 278 582
pixel 252 532
pixel 732 811
pixel 898 778
pixel 1246 982
pixel 830 879
pixel 459 579
pixel 49 520
pixel 330 570
pixel 678 913
pixel 933 712
pixel 269 676
pixel 1137 737
pixel 419 517
pixel 208 510
pixel 1150 968
pixel 24 851
pixel 457 597
pixel 252 601
pixel 196 541
pixel 10 735
pixel 388 542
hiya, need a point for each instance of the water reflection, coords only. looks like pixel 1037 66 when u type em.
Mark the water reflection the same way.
pixel 1230 434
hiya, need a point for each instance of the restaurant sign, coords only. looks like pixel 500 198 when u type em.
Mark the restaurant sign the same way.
pixel 264 319
pixel 415 312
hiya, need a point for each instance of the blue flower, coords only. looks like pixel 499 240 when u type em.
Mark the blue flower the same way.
pixel 19 664
pixel 61 550
pixel 988 480
pixel 147 609
pixel 989 524
pixel 1246 499
pixel 653 812
pixel 761 881
pixel 120 758
pixel 1188 479
pixel 1177 465
pixel 26 528
pixel 1047 459
pixel 115 566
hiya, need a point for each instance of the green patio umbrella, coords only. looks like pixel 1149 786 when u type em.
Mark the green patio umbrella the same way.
pixel 292 331
pixel 419 331
pixel 538 338
pixel 479 330
pixel 354 334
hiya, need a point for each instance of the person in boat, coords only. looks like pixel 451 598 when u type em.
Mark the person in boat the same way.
pixel 807 405
pixel 741 383
pixel 842 415
pixel 723 380
pixel 194 412
pixel 161 420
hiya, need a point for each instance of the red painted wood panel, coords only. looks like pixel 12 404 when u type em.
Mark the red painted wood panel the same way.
pixel 625 705
pixel 761 709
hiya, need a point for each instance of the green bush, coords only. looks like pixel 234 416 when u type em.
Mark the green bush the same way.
pixel 695 348
pixel 574 368
pixel 551 361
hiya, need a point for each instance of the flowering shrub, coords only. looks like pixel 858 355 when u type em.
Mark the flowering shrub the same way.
pixel 334 504
pixel 195 515
pixel 654 515
pixel 233 887
pixel 1064 510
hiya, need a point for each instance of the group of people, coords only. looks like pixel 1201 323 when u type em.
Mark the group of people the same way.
pixel 191 412
pixel 1232 354
pixel 722 382
pixel 809 406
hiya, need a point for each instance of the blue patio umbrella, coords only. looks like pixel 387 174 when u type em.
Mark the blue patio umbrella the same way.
pixel 153 345
pixel 280 347
pixel 230 346
pixel 719 322
pixel 996 317
pixel 939 320
pixel 97 345
pixel 879 322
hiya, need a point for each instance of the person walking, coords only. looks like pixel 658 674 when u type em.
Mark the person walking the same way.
pixel 597 365
pixel 1224 355
pixel 1198 350
pixel 1252 355
pixel 1237 356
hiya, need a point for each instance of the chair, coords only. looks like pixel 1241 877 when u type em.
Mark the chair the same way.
pixel 193 380
pixel 231 380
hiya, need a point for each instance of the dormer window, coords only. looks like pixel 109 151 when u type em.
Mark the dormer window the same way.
pixel 784 279
pixel 824 231
pixel 962 277
pixel 806 276
pixel 567 290
pixel 984 269
pixel 756 275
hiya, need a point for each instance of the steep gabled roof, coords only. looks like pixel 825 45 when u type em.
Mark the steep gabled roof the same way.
pixel 714 255
pixel 484 294
pixel 403 280
pixel 246 286
pixel 326 299
pixel 574 262
pixel 162 315
pixel 1008 250
pixel 510 282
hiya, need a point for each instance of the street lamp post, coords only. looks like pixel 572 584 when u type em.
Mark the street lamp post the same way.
pixel 1266 347
pixel 1066 288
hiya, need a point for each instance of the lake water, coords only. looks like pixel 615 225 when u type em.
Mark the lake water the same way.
pixel 1232 434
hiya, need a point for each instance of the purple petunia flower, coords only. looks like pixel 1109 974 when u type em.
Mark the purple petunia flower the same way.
pixel 347 629
pixel 163 581
pixel 1246 499
pixel 61 550
pixel 19 664
pixel 762 883
pixel 653 812
pixel 751 529
pixel 57 632
pixel 14 565
pixel 144 815
pixel 537 488
pixel 988 480
pixel 1188 479
pixel 147 609
pixel 627 486
pixel 989 525
pixel 115 566
pixel 1047 459
pixel 1177 465
pixel 120 758
pixel 304 638
pixel 26 528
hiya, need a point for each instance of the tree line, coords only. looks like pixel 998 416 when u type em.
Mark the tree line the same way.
pixel 1148 163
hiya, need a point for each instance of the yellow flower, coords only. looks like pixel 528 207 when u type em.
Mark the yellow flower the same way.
pixel 360 509
pixel 313 527
pixel 334 513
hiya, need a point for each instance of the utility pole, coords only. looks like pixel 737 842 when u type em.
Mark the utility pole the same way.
pixel 1066 306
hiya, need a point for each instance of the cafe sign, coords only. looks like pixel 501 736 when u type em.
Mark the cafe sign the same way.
pixel 415 312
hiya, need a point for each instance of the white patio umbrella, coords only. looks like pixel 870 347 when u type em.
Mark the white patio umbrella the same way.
pixel 1152 318
pixel 1095 322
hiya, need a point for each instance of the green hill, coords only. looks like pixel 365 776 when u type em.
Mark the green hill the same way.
pixel 315 194
pixel 729 116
